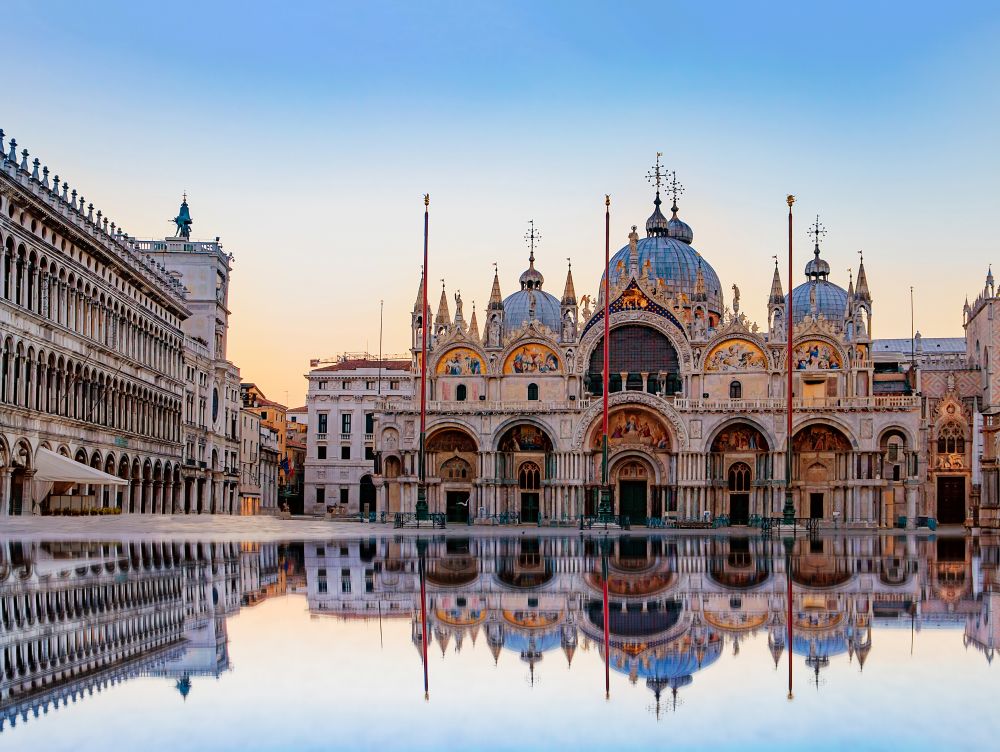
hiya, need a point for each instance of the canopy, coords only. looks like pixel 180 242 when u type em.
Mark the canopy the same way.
pixel 54 468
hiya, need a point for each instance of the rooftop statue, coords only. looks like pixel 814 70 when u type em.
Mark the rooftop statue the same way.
pixel 183 220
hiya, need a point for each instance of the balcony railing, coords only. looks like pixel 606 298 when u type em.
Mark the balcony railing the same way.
pixel 321 436
pixel 345 437
pixel 369 438
pixel 774 404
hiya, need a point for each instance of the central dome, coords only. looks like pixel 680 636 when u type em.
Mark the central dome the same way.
pixel 671 257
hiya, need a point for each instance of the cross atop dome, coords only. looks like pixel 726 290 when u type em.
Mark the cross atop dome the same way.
pixel 531 278
pixel 532 236
pixel 676 189
pixel 817 268
pixel 656 225
pixel 656 174
pixel 816 231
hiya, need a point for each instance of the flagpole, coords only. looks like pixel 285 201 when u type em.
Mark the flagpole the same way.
pixel 604 508
pixel 422 480
pixel 788 512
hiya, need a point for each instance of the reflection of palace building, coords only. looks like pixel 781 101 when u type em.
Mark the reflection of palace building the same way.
pixel 78 617
pixel 674 604
pixel 697 400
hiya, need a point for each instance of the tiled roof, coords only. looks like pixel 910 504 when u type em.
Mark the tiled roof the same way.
pixel 929 344
pixel 358 363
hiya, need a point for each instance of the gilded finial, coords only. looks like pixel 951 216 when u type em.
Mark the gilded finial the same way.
pixel 427 199
pixel 656 174
pixel 531 237
pixel 816 231
pixel 791 200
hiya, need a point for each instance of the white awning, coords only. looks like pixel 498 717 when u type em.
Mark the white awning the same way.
pixel 54 468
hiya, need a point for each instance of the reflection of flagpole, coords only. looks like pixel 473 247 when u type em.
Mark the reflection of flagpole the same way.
pixel 607 631
pixel 788 617
pixel 422 550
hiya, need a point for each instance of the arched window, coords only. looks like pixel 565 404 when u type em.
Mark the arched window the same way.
pixel 455 469
pixel 529 477
pixel 735 390
pixel 532 392
pixel 951 439
pixel 461 393
pixel 739 477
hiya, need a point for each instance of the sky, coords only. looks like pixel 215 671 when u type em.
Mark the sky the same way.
pixel 306 134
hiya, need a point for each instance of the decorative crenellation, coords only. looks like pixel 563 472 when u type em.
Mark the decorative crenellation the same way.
pixel 74 208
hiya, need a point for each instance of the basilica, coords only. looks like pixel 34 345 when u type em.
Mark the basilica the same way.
pixel 883 429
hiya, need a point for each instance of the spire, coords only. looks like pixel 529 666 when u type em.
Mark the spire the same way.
pixel 443 317
pixel 777 296
pixel 531 278
pixel 420 294
pixel 656 225
pixel 861 291
pixel 474 334
pixel 699 284
pixel 496 300
pixel 817 268
pixel 569 291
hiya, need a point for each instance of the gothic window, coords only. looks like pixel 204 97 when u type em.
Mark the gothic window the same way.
pixel 735 390
pixel 455 469
pixel 951 439
pixel 532 392
pixel 739 477
pixel 529 477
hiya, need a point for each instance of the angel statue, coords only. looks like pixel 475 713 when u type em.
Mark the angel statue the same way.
pixel 458 305
pixel 736 300
pixel 585 302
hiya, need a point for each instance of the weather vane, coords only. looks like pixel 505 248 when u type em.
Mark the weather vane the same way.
pixel 816 231
pixel 861 254
pixel 655 175
pixel 676 189
pixel 532 236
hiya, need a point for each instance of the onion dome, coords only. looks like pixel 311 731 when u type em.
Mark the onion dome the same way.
pixel 531 302
pixel 819 295
pixel 672 259
pixel 678 228
pixel 657 224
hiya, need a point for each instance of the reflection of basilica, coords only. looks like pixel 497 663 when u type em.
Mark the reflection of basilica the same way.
pixel 76 618
pixel 697 400
pixel 674 604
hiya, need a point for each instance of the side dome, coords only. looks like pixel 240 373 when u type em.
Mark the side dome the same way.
pixel 819 295
pixel 531 302
pixel 830 300
pixel 517 309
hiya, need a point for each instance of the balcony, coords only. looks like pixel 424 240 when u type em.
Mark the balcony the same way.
pixel 369 438
pixel 483 406
pixel 321 436
pixel 778 404
pixel 345 437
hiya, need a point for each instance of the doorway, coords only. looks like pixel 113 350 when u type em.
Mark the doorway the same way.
pixel 633 501
pixel 529 507
pixel 739 509
pixel 457 506
pixel 951 500
pixel 816 506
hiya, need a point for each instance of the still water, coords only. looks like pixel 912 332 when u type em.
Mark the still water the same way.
pixel 501 643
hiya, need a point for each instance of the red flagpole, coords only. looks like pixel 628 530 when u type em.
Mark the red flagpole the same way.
pixel 423 617
pixel 788 513
pixel 607 630
pixel 604 505
pixel 421 507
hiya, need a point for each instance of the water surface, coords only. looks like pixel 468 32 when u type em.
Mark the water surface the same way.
pixel 500 643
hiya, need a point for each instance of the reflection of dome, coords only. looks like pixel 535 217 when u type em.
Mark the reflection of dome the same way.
pixel 674 664
pixel 518 307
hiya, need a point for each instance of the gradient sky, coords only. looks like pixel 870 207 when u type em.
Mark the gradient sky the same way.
pixel 306 133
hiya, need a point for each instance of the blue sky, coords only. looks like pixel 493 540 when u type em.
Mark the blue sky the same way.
pixel 306 133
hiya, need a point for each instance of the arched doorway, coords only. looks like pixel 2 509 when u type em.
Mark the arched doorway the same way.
pixel 453 453
pixel 367 496
pixel 455 474
pixel 821 471
pixel 632 482
pixel 739 493
pixel 523 455
pixel 529 485
pixel 392 472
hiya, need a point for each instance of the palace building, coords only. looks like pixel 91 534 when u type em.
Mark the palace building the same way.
pixel 697 399
pixel 116 394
